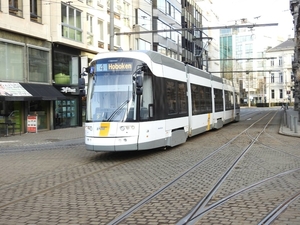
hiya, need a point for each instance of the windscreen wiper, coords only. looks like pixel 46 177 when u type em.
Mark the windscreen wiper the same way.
pixel 118 110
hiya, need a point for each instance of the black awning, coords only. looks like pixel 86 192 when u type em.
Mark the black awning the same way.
pixel 42 92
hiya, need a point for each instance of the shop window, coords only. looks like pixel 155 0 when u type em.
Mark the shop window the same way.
pixel 10 112
pixel 12 62
pixel 65 69
pixel 40 109
pixel 38 65
pixel 66 113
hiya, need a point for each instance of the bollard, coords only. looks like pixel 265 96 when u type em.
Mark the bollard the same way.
pixel 296 124
pixel 285 119
pixel 291 122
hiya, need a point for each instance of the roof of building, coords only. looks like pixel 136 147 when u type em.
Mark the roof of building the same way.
pixel 288 44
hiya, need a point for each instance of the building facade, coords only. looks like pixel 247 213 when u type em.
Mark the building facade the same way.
pixel 280 79
pixel 294 7
pixel 43 46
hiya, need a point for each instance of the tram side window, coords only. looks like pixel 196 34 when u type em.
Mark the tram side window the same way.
pixel 176 97
pixel 228 100
pixel 171 97
pixel 218 100
pixel 201 99
pixel 207 99
pixel 182 98
pixel 147 97
pixel 196 107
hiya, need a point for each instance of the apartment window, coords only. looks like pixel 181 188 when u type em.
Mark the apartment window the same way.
pixel 280 93
pixel 163 26
pixel 272 78
pixel 71 23
pixel 177 16
pixel 100 29
pixel 16 7
pixel 36 11
pixel 12 61
pixel 280 77
pixel 272 94
pixel 90 36
pixel 143 19
pixel 126 17
pixel 38 65
pixel 280 61
pixel 143 45
pixel 162 50
pixel 272 62
pixel 89 2
pixel 161 5
pixel 100 3
pixel 248 50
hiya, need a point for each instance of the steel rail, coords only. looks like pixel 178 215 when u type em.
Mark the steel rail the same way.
pixel 200 207
pixel 159 191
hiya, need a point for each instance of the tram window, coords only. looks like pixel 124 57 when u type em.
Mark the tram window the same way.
pixel 182 98
pixel 147 97
pixel 201 99
pixel 208 99
pixel 218 100
pixel 171 97
pixel 196 103
pixel 228 102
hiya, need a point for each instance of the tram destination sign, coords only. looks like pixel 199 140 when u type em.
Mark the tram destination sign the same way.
pixel 106 67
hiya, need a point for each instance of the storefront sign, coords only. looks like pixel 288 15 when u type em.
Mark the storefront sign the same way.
pixel 32 124
pixel 68 90
pixel 12 89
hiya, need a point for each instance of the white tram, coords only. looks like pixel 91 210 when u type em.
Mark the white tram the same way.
pixel 139 100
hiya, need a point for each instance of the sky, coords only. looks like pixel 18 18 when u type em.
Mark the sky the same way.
pixel 259 12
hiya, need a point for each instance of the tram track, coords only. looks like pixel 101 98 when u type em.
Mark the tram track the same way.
pixel 278 210
pixel 141 200
pixel 204 200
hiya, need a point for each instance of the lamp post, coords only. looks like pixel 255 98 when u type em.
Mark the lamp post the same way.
pixel 269 89
pixel 249 105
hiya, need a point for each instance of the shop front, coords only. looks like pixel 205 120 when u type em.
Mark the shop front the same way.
pixel 67 66
pixel 19 100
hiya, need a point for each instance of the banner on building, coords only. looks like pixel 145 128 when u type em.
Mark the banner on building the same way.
pixel 32 122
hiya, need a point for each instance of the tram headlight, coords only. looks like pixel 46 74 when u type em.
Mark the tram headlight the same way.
pixel 123 128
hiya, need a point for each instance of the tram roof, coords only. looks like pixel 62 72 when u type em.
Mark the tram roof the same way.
pixel 168 61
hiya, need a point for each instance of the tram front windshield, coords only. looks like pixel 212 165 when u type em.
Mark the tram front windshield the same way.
pixel 111 95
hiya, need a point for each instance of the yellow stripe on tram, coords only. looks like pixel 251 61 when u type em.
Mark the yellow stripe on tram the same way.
pixel 104 129
pixel 208 121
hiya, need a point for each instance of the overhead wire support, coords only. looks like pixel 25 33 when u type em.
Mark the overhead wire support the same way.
pixel 236 59
pixel 245 71
pixel 199 28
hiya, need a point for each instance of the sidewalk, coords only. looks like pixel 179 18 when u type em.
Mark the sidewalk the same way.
pixel 288 122
pixel 42 137
pixel 54 136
